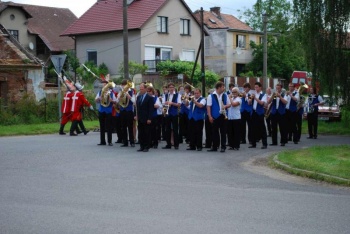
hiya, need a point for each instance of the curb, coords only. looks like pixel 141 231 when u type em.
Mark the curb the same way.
pixel 319 175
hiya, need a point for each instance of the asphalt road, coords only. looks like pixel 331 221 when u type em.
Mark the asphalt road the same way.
pixel 63 184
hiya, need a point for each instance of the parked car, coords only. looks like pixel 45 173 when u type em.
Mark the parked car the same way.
pixel 330 111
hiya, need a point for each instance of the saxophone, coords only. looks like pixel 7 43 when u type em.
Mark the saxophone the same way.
pixel 105 94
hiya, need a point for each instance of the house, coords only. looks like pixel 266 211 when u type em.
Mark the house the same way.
pixel 20 72
pixel 38 28
pixel 157 30
pixel 227 48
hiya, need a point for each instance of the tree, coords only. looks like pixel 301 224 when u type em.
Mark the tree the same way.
pixel 324 30
pixel 134 68
pixel 102 69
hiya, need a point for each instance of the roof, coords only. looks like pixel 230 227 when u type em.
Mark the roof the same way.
pixel 107 16
pixel 48 23
pixel 224 21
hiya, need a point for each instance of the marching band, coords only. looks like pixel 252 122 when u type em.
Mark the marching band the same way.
pixel 224 118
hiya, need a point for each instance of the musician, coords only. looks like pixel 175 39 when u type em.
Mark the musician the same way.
pixel 267 106
pixel 173 101
pixel 278 115
pixel 159 118
pixel 127 115
pixel 234 120
pixel 207 127
pixel 230 87
pixel 165 91
pixel 154 121
pixel 116 119
pixel 291 113
pixel 313 102
pixel 78 102
pixel 217 104
pixel 258 100
pixel 105 117
pixel 196 111
pixel 183 115
pixel 145 110
pixel 299 121
pixel 246 114
pixel 66 109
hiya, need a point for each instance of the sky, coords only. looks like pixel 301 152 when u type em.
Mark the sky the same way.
pixel 79 7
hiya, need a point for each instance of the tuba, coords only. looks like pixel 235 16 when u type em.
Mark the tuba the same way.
pixel 123 100
pixel 105 94
pixel 301 89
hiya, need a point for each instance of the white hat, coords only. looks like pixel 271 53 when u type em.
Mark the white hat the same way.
pixel 79 86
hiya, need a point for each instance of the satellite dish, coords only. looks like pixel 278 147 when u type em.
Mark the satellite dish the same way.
pixel 31 46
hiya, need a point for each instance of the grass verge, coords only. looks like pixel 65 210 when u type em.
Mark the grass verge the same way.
pixel 36 129
pixel 325 163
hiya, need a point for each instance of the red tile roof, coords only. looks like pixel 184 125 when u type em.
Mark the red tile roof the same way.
pixel 107 15
pixel 225 21
pixel 48 23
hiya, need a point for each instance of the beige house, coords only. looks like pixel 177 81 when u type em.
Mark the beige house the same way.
pixel 227 49
pixel 158 30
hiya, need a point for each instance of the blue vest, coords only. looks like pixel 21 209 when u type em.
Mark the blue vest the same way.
pixel 260 108
pixel 293 104
pixel 215 107
pixel 183 109
pixel 314 101
pixel 281 107
pixel 129 107
pixel 107 109
pixel 245 106
pixel 198 113
pixel 173 110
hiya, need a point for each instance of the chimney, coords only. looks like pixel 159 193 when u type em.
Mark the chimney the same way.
pixel 216 10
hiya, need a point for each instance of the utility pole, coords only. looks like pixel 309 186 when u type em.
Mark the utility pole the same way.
pixel 202 53
pixel 125 39
pixel 265 83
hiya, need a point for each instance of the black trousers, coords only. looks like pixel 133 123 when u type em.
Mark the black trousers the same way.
pixel 117 126
pixel 208 133
pixel 312 123
pixel 105 120
pixel 127 122
pixel 280 120
pixel 196 133
pixel 144 135
pixel 159 126
pixel 163 127
pixel 183 127
pixel 291 125
pixel 299 121
pixel 246 119
pixel 154 131
pixel 268 125
pixel 219 132
pixel 172 124
pixel 258 129
pixel 234 133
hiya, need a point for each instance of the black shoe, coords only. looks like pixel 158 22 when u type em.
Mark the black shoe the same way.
pixel 73 134
pixel 295 142
pixel 289 139
pixel 166 147
pixel 199 149
pixel 139 150
pixel 235 148
pixel 145 150
pixel 243 142
pixel 86 132
pixel 102 144
pixel 282 144
pixel 273 144
pixel 79 132
pixel 62 133
pixel 264 147
pixel 118 141
pixel 155 147
pixel 315 137
pixel 207 147
pixel 191 149
pixel 176 147
pixel 110 144
pixel 212 150
pixel 310 137
pixel 125 145
pixel 252 146
pixel 132 145
pixel 269 135
pixel 231 148
pixel 222 150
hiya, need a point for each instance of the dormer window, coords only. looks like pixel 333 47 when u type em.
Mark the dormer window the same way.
pixel 212 21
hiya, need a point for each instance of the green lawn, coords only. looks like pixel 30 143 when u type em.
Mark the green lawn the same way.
pixel 330 160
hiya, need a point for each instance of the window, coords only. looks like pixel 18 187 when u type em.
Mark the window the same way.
pixel 92 56
pixel 162 24
pixel 241 41
pixel 14 33
pixel 184 27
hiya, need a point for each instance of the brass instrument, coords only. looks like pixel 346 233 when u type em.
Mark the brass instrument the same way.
pixel 105 94
pixel 123 100
pixel 269 107
pixel 166 107
pixel 192 87
pixel 301 89
pixel 223 109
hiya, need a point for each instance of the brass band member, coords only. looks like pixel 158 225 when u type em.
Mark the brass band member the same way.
pixel 157 107
pixel 313 102
pixel 183 116
pixel 172 100
pixel 105 117
pixel 278 115
pixel 291 113
pixel 267 106
pixel 196 111
pixel 258 101
pixel 127 115
pixel 234 120
pixel 208 128
pixel 165 91
pixel 159 115
pixel 246 114
pixel 217 104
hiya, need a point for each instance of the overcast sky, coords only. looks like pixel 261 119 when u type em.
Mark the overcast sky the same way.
pixel 79 7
